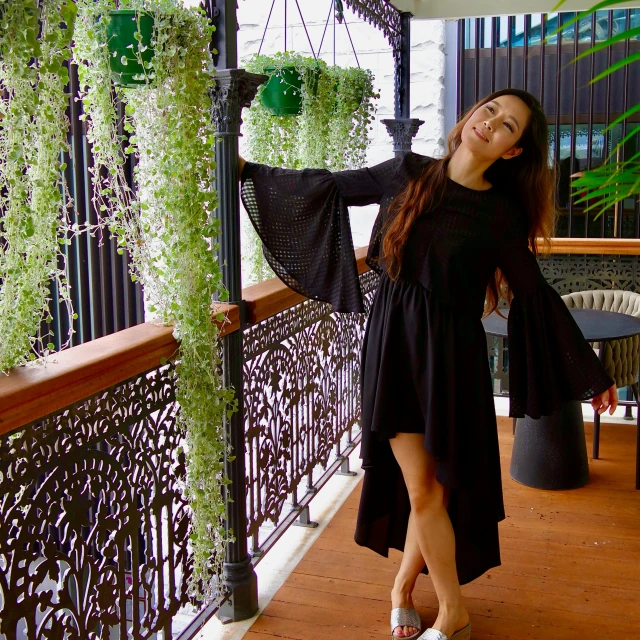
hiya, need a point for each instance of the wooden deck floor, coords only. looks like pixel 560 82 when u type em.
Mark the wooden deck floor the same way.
pixel 570 565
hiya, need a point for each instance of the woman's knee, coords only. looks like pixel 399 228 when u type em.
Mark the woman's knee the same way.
pixel 426 496
pixel 418 468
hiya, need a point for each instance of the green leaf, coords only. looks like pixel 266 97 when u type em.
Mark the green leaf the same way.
pixel 625 35
pixel 627 114
pixel 617 65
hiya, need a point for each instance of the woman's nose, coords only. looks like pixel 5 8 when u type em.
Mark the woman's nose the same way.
pixel 487 124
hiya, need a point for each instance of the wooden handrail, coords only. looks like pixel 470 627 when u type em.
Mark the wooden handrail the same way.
pixel 604 246
pixel 31 392
pixel 273 296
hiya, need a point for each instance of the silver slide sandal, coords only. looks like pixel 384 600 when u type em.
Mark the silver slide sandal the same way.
pixel 405 617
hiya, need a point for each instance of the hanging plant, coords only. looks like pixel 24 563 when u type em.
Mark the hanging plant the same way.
pixel 293 141
pixel 166 224
pixel 34 45
pixel 331 131
pixel 353 113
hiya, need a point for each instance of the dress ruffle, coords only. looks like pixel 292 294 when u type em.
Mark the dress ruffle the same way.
pixel 303 222
pixel 550 362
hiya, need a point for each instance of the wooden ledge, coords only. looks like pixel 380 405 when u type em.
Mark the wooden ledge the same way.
pixel 615 246
pixel 31 392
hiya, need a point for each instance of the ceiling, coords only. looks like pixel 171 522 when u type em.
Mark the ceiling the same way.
pixel 476 8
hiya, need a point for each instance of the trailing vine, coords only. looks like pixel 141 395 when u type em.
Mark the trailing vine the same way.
pixel 166 225
pixel 350 123
pixel 34 200
pixel 299 141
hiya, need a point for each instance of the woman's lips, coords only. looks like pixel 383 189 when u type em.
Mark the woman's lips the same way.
pixel 480 135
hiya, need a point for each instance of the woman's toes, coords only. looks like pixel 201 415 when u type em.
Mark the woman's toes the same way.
pixel 403 632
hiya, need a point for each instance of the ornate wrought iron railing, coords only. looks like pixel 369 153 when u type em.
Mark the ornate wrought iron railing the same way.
pixel 93 521
pixel 94 524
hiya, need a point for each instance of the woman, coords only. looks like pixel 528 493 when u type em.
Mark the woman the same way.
pixel 452 236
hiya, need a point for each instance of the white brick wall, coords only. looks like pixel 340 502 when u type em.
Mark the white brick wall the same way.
pixel 374 52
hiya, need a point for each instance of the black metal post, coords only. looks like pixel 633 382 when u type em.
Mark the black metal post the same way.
pixel 403 69
pixel 222 14
pixel 234 89
pixel 402 128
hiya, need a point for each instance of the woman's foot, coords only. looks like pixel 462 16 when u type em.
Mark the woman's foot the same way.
pixel 450 620
pixel 400 598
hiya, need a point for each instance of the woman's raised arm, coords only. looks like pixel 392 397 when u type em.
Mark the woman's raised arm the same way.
pixel 302 218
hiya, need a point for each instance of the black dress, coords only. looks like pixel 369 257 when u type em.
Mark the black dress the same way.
pixel 424 366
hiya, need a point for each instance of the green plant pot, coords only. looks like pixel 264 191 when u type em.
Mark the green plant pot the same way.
pixel 274 98
pixel 120 35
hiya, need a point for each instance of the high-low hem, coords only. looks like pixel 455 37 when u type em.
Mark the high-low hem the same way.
pixel 417 351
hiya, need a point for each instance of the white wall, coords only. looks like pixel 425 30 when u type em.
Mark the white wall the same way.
pixel 374 52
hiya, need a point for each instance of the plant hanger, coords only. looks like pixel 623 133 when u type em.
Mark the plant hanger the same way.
pixel 337 10
pixel 285 27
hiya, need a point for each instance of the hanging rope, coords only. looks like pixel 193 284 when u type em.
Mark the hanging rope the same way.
pixel 315 57
pixel 266 27
pixel 338 12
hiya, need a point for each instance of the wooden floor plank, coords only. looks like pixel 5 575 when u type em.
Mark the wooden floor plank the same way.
pixel 570 565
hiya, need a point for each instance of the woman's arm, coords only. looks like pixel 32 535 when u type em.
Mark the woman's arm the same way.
pixel 302 218
pixel 241 163
pixel 550 362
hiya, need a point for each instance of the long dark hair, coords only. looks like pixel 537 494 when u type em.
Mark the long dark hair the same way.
pixel 527 173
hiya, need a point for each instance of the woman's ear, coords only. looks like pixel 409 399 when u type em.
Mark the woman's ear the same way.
pixel 512 153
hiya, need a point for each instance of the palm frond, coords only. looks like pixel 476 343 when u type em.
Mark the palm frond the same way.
pixel 613 181
pixel 617 65
pixel 627 114
pixel 583 14
pixel 609 184
pixel 628 34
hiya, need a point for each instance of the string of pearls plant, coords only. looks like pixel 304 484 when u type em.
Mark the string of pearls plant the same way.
pixel 166 226
pixel 35 40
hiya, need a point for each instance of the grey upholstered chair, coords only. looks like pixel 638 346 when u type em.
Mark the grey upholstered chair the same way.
pixel 621 358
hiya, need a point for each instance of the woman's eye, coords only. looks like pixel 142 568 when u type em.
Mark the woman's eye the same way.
pixel 491 109
pixel 510 127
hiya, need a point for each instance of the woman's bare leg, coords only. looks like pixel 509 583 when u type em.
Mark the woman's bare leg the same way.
pixel 432 528
pixel 410 568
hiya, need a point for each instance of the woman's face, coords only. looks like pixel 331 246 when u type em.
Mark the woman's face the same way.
pixel 495 127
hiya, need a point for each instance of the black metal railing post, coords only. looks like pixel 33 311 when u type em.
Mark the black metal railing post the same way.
pixel 234 89
pixel 403 127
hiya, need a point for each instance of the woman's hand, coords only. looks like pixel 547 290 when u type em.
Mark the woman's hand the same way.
pixel 608 398
pixel 241 162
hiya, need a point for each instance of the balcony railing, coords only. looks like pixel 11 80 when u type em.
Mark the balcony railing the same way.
pixel 94 523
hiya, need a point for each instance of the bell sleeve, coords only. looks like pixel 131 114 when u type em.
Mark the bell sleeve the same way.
pixel 302 218
pixel 550 362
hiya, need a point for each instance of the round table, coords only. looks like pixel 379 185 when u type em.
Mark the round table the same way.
pixel 551 452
